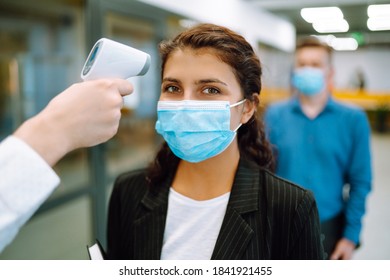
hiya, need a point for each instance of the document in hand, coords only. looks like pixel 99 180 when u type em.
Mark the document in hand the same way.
pixel 96 251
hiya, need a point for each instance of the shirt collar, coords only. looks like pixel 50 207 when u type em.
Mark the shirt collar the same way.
pixel 295 104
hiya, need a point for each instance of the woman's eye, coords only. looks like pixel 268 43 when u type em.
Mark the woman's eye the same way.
pixel 171 89
pixel 211 91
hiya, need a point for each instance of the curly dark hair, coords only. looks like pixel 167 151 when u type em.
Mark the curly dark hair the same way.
pixel 235 51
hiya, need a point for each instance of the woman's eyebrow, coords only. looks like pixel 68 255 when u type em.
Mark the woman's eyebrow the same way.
pixel 172 80
pixel 202 81
pixel 206 81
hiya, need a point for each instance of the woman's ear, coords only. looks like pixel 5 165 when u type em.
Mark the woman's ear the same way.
pixel 250 107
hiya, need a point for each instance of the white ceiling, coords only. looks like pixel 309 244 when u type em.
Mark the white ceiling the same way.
pixel 355 12
pixel 288 4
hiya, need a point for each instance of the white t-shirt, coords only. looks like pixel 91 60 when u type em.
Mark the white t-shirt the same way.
pixel 26 181
pixel 192 226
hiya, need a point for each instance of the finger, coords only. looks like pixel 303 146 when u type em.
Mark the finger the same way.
pixel 335 255
pixel 124 87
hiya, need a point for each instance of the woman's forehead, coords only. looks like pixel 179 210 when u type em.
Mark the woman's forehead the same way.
pixel 196 60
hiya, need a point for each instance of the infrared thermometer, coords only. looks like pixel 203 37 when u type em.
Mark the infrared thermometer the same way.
pixel 110 59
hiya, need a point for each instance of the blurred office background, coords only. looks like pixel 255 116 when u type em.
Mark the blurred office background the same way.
pixel 43 46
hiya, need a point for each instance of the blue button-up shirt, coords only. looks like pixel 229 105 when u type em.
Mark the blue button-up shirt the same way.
pixel 325 154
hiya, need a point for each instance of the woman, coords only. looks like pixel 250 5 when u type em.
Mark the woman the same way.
pixel 209 194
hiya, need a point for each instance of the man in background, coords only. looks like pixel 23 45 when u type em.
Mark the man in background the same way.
pixel 323 146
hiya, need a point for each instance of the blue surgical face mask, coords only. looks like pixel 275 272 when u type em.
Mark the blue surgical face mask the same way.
pixel 196 130
pixel 308 80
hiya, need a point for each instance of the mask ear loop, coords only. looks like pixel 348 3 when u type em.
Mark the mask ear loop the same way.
pixel 236 104
pixel 237 128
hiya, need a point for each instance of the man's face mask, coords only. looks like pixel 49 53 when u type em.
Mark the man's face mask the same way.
pixel 308 80
pixel 196 130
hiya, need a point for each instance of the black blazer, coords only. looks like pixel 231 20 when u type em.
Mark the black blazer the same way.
pixel 266 218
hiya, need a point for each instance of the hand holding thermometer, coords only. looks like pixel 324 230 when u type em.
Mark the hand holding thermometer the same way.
pixel 110 59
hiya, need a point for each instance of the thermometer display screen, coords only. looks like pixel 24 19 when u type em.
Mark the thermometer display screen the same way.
pixel 91 58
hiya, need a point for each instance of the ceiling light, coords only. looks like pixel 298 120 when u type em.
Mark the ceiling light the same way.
pixel 374 11
pixel 316 14
pixel 331 26
pixel 344 44
pixel 377 24
pixel 339 44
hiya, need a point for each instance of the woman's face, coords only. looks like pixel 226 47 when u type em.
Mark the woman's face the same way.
pixel 200 75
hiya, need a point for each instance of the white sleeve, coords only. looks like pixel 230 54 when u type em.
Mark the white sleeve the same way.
pixel 26 181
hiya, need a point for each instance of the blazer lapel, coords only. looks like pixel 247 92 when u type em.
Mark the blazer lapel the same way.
pixel 236 232
pixel 149 227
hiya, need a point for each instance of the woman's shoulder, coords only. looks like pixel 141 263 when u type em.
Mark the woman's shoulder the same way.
pixel 284 190
pixel 274 186
pixel 131 176
pixel 131 183
pixel 288 202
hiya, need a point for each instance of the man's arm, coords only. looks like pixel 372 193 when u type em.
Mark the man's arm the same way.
pixel 26 181
pixel 84 115
pixel 359 179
